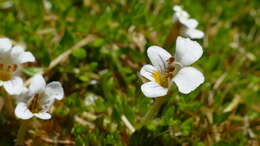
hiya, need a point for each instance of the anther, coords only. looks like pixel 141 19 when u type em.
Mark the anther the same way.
pixel 170 60
pixel 171 68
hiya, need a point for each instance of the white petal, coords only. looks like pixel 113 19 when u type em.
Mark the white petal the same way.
pixel 14 86
pixel 194 33
pixel 37 84
pixel 24 96
pixel 189 23
pixel 17 50
pixel 177 8
pixel 188 79
pixel 43 116
pixel 158 57
pixel 147 71
pixel 15 53
pixel 22 112
pixel 187 51
pixel 5 44
pixel 54 90
pixel 26 57
pixel 181 15
pixel 152 89
pixel 46 102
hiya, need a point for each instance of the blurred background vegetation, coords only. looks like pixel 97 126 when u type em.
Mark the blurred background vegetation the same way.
pixel 105 44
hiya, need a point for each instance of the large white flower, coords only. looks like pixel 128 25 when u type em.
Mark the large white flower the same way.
pixel 37 100
pixel 166 69
pixel 11 58
pixel 189 25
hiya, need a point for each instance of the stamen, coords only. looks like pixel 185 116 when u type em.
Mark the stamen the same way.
pixel 170 60
pixel 170 68
pixel 160 79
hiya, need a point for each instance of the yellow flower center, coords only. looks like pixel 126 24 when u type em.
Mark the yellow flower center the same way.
pixel 7 72
pixel 160 79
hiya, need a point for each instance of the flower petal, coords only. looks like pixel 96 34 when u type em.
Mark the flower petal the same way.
pixel 189 23
pixel 152 89
pixel 187 51
pixel 26 57
pixel 194 33
pixel 147 71
pixel 158 57
pixel 177 8
pixel 43 116
pixel 20 56
pixel 23 96
pixel 37 84
pixel 5 44
pixel 17 50
pixel 46 102
pixel 14 86
pixel 54 90
pixel 22 112
pixel 188 79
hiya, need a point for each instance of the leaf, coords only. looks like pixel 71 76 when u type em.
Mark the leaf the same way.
pixel 79 53
pixel 144 137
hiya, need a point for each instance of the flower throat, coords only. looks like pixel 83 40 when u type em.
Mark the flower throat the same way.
pixel 162 78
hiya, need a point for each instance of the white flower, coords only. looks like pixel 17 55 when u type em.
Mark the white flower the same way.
pixel 37 100
pixel 166 69
pixel 189 24
pixel 11 58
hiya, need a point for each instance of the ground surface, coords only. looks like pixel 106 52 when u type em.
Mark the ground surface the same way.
pixel 100 76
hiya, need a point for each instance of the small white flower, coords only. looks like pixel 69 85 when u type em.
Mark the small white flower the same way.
pixel 11 58
pixel 189 25
pixel 166 69
pixel 37 100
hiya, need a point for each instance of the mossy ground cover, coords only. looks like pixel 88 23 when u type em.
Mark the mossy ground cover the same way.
pixel 102 47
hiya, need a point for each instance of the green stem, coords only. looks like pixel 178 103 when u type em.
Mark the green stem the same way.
pixel 153 111
pixel 22 133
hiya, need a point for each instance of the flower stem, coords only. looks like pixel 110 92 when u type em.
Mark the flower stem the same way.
pixel 22 133
pixel 153 110
pixel 7 103
pixel 173 34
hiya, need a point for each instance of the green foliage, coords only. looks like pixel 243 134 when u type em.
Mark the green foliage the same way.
pixel 101 79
